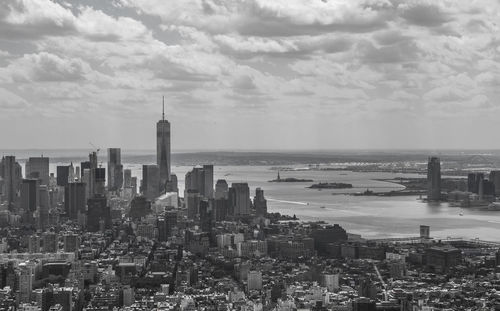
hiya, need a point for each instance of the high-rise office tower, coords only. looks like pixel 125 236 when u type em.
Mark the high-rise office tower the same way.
pixel 71 173
pixel 63 296
pixel 77 173
pixel 434 179
pixel 127 178
pixel 208 173
pixel 83 166
pixel 128 191
pixel 92 178
pixel 220 209
pixel 38 167
pixel 34 244
pixel 172 184
pixel 29 195
pixel 140 207
pixel 254 280
pixel 43 298
pixel 163 148
pixel 205 213
pixel 193 199
pixel 86 181
pixel 260 203
pixel 99 181
pixel 29 198
pixel 71 242
pixel 11 173
pixel 62 175
pixel 495 179
pixel 43 207
pixel 50 241
pixel 134 185
pixel 239 199
pixel 98 214
pixel 128 296
pixel 474 182
pixel 221 189
pixel 188 181
pixel 151 181
pixel 115 169
pixel 26 278
pixel 201 179
pixel 74 199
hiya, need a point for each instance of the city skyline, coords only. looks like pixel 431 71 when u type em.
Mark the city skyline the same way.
pixel 266 76
pixel 290 166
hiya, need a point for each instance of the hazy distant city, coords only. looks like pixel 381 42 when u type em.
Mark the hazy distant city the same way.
pixel 251 155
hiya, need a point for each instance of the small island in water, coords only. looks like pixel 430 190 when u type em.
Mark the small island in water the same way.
pixel 330 185
pixel 289 179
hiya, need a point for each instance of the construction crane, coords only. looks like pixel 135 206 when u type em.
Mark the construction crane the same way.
pixel 384 286
pixel 97 149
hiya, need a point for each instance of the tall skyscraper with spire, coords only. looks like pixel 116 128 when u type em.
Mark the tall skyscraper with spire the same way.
pixel 163 148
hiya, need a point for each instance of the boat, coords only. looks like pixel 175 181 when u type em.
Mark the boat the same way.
pixel 322 207
pixel 494 206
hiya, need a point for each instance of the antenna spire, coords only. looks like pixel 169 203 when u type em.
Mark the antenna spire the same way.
pixel 163 111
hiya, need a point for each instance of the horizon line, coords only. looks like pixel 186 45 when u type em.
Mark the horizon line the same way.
pixel 264 150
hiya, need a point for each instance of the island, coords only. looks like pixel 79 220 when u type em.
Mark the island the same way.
pixel 329 185
pixel 289 179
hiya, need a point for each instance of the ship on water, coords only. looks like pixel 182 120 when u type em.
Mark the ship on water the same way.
pixel 494 206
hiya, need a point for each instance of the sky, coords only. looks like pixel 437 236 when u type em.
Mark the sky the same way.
pixel 250 74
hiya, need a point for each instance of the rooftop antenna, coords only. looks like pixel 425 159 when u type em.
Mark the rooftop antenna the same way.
pixel 163 111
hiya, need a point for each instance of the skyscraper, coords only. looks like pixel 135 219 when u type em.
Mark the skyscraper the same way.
pixel 50 242
pixel 221 189
pixel 71 242
pixel 26 278
pixel 115 169
pixel 43 207
pixel 34 244
pixel 83 166
pixel 38 167
pixel 434 179
pixel 239 199
pixel 150 181
pixel 495 178
pixel 11 172
pixel 30 195
pixel 201 179
pixel 208 174
pixel 99 181
pixel 62 175
pixel 74 199
pixel 93 167
pixel 163 148
pixel 474 182
pixel 254 280
pixel 192 198
pixel 127 178
pixel 260 203
pixel 172 184
pixel 98 214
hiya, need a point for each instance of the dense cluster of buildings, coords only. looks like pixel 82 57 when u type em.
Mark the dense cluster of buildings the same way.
pixel 477 190
pixel 90 239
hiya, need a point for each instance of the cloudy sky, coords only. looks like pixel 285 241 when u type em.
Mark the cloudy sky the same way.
pixel 250 74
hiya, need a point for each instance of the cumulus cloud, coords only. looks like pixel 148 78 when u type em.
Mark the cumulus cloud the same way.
pixel 379 59
pixel 31 19
pixel 269 18
pixel 46 67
